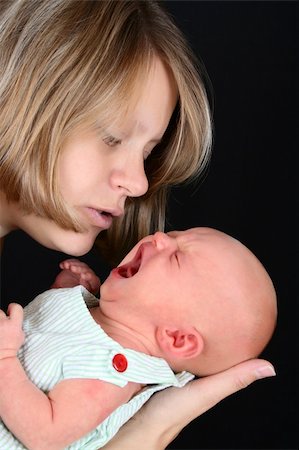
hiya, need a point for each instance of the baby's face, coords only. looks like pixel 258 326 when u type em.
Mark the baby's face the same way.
pixel 200 278
pixel 163 271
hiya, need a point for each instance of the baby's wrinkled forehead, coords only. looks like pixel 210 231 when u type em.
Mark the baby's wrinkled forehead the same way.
pixel 186 235
pixel 194 237
pixel 210 248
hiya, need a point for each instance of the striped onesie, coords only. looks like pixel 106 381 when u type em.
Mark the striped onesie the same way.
pixel 63 341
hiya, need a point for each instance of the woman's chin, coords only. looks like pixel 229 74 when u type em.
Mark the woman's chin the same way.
pixel 76 245
pixel 68 242
pixel 50 235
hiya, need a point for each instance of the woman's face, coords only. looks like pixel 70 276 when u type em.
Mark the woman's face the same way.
pixel 97 171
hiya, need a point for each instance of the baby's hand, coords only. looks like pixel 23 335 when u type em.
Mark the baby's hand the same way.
pixel 11 332
pixel 75 272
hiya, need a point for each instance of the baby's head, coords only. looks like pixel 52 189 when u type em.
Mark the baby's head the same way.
pixel 202 299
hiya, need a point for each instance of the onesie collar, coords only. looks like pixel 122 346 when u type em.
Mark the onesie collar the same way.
pixel 127 365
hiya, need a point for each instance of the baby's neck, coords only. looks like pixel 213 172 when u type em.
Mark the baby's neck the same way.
pixel 124 335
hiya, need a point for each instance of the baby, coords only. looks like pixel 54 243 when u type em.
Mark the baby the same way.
pixel 195 300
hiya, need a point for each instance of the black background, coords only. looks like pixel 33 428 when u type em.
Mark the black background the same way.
pixel 248 49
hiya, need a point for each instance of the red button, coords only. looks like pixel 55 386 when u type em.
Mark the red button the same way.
pixel 120 362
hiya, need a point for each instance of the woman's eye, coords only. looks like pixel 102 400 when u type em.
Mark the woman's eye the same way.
pixel 111 141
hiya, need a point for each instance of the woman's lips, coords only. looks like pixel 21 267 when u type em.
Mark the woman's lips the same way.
pixel 100 219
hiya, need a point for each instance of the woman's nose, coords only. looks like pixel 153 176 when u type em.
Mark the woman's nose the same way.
pixel 163 241
pixel 131 179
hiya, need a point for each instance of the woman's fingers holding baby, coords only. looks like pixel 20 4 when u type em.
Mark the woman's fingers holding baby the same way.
pixel 200 395
pixel 214 388
pixel 169 411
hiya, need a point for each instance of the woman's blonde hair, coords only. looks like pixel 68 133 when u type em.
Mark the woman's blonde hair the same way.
pixel 67 64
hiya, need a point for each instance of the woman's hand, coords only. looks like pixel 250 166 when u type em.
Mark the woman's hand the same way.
pixel 162 418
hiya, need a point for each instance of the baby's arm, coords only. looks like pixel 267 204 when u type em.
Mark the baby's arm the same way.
pixel 47 422
pixel 75 272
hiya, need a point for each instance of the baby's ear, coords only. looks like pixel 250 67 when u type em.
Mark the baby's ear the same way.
pixel 180 343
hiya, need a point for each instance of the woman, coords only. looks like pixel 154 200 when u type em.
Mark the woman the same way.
pixel 101 110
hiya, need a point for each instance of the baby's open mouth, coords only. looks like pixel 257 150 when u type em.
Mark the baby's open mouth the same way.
pixel 131 268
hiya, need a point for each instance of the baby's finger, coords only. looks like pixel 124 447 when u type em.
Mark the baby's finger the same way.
pixel 79 268
pixel 95 284
pixel 91 281
pixel 68 262
pixel 15 312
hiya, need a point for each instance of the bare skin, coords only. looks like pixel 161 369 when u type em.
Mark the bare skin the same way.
pixel 88 395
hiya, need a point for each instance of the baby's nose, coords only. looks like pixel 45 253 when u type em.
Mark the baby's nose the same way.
pixel 162 240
